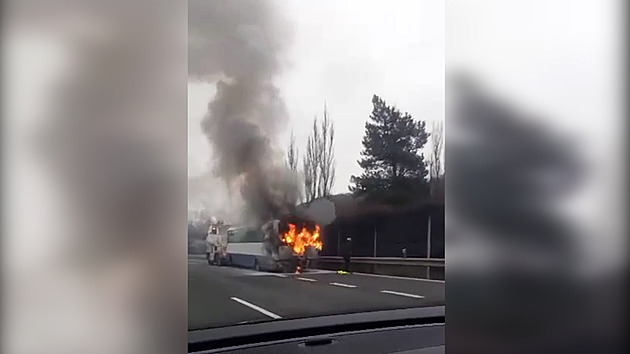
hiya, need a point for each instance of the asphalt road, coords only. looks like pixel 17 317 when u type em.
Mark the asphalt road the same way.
pixel 221 296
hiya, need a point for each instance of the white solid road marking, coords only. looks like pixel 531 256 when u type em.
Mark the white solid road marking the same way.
pixel 402 278
pixel 253 273
pixel 343 285
pixel 197 261
pixel 402 294
pixel 257 308
pixel 305 279
pixel 318 271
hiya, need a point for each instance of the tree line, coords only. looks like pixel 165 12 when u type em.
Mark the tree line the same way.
pixel 394 168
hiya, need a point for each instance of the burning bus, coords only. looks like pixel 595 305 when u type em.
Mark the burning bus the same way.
pixel 278 245
pixel 304 240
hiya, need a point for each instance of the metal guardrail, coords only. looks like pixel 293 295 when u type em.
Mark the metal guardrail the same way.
pixel 424 268
pixel 432 262
pixel 431 268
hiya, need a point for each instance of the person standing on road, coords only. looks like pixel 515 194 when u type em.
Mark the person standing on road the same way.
pixel 346 252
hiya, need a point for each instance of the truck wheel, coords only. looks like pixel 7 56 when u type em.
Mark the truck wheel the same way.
pixel 286 268
pixel 256 265
pixel 217 259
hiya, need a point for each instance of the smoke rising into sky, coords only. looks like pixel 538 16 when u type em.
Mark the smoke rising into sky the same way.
pixel 239 45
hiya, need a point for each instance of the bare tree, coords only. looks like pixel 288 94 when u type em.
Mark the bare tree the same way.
pixel 327 165
pixel 292 162
pixel 311 164
pixel 308 179
pixel 436 173
pixel 319 161
pixel 292 155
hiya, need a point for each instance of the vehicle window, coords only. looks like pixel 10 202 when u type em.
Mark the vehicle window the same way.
pixel 253 236
pixel 240 236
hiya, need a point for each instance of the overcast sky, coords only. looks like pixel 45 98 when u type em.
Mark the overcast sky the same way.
pixel 343 52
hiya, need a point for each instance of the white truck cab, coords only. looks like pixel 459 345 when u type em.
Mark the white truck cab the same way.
pixel 216 246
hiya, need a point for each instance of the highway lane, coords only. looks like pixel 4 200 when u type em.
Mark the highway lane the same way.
pixel 221 296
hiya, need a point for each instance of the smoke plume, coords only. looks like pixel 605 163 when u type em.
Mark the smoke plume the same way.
pixel 239 45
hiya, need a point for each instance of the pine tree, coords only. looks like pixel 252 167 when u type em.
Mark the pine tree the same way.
pixel 394 168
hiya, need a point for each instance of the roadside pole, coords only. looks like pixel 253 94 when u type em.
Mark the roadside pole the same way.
pixel 338 242
pixel 429 238
pixel 374 242
pixel 429 246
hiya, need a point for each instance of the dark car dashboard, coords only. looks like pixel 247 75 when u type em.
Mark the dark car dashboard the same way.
pixel 404 331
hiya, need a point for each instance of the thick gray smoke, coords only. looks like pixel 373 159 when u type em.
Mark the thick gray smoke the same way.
pixel 239 44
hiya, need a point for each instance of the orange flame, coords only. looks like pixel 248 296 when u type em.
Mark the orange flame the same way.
pixel 299 241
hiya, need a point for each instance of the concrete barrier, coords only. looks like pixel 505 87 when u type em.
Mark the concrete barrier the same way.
pixel 422 268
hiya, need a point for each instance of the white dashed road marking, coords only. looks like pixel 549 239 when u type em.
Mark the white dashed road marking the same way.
pixel 257 308
pixel 402 294
pixel 343 285
pixel 305 279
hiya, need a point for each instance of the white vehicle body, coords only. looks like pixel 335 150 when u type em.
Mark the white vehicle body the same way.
pixel 246 247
